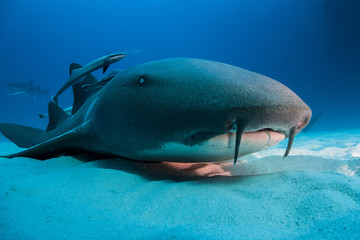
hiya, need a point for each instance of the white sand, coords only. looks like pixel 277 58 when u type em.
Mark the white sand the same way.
pixel 313 194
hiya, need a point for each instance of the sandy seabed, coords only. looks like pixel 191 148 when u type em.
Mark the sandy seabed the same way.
pixel 312 194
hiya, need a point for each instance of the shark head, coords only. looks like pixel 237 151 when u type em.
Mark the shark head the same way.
pixel 114 57
pixel 195 110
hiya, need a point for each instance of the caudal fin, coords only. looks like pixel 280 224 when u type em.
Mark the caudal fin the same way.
pixel 22 136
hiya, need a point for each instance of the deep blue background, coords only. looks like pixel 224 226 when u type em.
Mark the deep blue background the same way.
pixel 312 46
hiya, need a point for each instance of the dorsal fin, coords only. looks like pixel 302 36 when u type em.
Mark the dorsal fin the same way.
pixel 56 116
pixel 74 66
pixel 80 94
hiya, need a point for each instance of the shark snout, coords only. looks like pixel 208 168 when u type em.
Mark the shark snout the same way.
pixel 288 118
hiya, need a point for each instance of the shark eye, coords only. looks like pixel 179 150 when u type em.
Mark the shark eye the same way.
pixel 141 80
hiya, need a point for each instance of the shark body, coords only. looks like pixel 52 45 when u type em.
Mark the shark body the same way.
pixel 179 109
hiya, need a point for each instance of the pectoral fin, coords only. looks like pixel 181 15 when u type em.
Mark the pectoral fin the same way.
pixel 22 136
pixel 73 141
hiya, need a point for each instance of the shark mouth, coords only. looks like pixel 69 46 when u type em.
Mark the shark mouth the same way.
pixel 239 130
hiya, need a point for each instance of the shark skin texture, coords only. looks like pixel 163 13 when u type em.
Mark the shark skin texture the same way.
pixel 177 109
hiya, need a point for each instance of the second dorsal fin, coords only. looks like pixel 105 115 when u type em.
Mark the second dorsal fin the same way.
pixel 73 66
pixel 81 94
pixel 56 116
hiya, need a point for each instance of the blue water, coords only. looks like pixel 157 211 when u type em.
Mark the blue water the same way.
pixel 313 47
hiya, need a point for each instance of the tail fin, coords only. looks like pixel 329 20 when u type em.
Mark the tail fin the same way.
pixel 22 136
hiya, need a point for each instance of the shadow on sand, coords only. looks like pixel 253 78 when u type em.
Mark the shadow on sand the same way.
pixel 223 171
pixel 173 171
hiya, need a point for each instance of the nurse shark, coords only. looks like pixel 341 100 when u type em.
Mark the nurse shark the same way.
pixel 178 109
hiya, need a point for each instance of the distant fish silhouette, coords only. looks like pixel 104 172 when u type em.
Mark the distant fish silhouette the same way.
pixel 26 88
